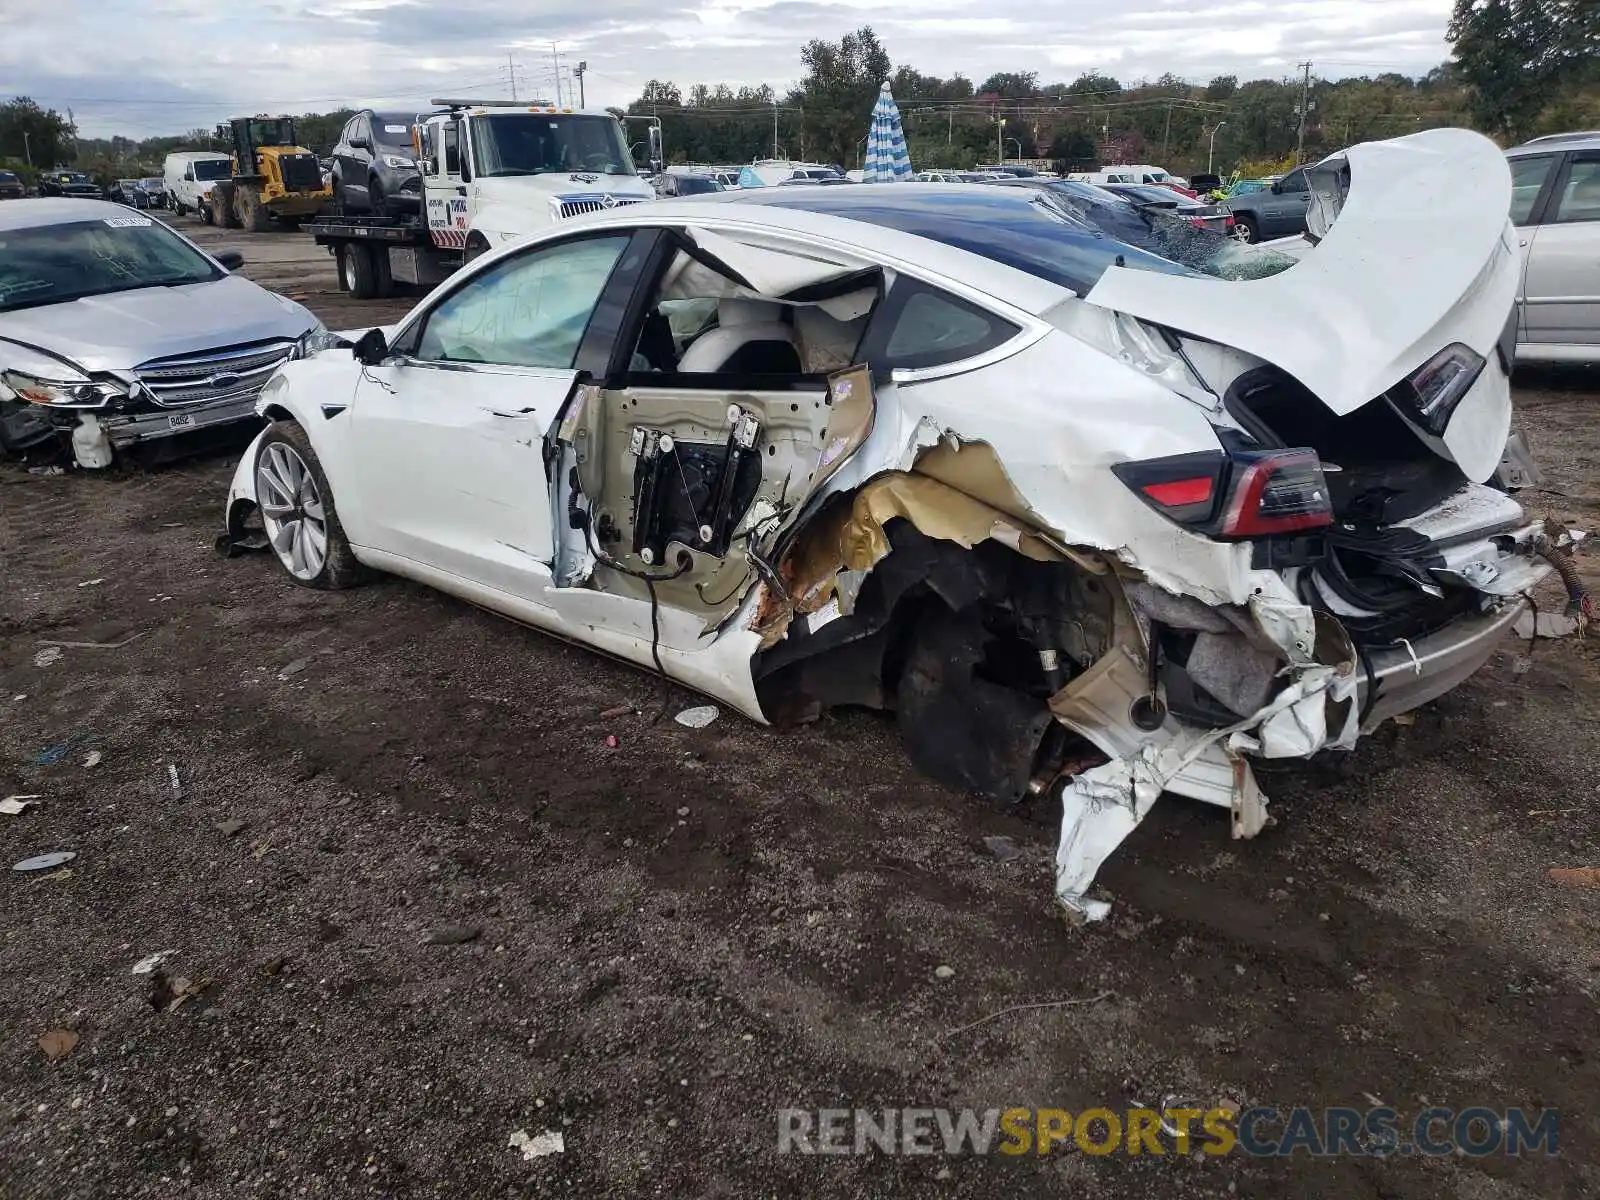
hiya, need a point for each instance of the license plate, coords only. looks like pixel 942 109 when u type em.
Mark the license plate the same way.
pixel 183 421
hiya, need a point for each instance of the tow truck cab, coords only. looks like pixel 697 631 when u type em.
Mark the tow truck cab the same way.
pixel 493 171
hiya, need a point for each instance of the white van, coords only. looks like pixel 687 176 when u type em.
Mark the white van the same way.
pixel 189 174
pixel 1136 173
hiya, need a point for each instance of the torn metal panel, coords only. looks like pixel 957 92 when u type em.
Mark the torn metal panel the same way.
pixel 853 537
pixel 853 411
pixel 769 272
pixel 1101 807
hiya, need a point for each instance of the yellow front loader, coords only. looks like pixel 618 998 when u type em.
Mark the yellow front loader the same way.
pixel 274 179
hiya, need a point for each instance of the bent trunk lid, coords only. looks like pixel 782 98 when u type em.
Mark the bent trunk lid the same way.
pixel 1417 253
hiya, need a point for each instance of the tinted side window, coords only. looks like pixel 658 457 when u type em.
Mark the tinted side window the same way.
pixel 1580 195
pixel 1528 177
pixel 921 326
pixel 528 311
pixel 452 148
pixel 1295 181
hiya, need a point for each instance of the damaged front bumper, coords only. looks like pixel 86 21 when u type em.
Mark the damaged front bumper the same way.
pixel 125 428
pixel 95 435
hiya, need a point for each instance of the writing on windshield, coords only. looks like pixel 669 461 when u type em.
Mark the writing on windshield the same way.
pixel 51 264
pixel 548 143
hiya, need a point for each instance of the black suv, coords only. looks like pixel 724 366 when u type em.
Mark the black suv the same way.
pixel 375 165
pixel 69 183
pixel 678 183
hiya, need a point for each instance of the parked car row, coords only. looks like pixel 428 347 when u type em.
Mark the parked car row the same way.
pixel 139 193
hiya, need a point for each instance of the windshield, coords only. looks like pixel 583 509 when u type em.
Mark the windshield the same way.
pixel 71 177
pixel 278 132
pixel 1150 194
pixel 548 143
pixel 393 130
pixel 50 264
pixel 212 168
pixel 1163 233
pixel 8 177
pixel 153 182
pixel 696 185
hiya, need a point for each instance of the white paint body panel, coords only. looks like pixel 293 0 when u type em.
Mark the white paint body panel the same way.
pixel 1382 293
pixel 431 484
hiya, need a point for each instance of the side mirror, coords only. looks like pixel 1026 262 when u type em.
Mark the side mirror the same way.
pixel 1277 188
pixel 361 143
pixel 371 348
pixel 230 259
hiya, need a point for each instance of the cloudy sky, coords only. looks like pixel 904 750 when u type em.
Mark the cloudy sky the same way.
pixel 141 67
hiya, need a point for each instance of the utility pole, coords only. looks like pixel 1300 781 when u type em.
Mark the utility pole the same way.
pixel 512 68
pixel 1305 103
pixel 774 129
pixel 555 62
pixel 27 149
pixel 1211 152
pixel 999 137
pixel 582 67
pixel 1166 138
pixel 950 133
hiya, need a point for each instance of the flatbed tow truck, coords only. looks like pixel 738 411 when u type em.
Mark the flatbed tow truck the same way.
pixel 492 171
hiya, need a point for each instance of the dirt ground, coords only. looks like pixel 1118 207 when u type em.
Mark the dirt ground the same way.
pixel 674 937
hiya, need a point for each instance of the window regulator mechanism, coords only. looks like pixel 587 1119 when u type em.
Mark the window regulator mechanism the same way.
pixel 658 458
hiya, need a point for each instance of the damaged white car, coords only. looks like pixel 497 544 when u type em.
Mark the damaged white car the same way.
pixel 1090 522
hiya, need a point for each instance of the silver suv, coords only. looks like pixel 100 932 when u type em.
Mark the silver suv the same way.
pixel 1555 205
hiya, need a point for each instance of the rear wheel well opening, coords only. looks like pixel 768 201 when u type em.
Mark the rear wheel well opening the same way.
pixel 965 647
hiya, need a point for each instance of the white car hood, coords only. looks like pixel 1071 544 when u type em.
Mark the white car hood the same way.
pixel 1422 255
pixel 521 204
pixel 119 331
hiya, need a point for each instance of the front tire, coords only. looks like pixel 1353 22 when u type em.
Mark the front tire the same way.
pixel 1246 228
pixel 298 514
pixel 253 214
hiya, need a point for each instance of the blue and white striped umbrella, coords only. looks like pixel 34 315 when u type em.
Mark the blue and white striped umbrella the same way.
pixel 887 160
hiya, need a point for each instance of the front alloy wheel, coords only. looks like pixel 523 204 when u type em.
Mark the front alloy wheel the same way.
pixel 298 514
pixel 292 511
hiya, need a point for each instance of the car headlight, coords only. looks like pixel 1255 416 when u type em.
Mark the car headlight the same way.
pixel 399 162
pixel 67 389
pixel 314 341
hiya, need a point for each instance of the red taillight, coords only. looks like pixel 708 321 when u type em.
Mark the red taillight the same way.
pixel 1239 494
pixel 1179 492
pixel 1282 491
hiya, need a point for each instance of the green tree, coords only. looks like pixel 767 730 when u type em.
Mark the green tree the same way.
pixel 42 135
pixel 1516 55
pixel 1093 84
pixel 1011 85
pixel 838 91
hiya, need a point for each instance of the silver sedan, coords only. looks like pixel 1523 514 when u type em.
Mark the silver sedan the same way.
pixel 116 330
